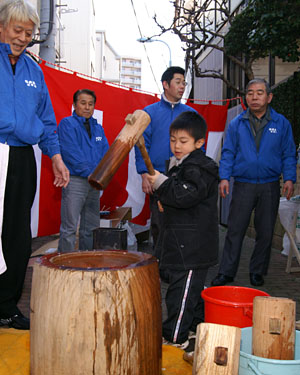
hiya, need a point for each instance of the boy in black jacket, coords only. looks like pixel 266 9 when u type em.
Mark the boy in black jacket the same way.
pixel 188 243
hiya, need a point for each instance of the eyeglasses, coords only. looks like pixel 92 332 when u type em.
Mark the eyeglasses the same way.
pixel 178 83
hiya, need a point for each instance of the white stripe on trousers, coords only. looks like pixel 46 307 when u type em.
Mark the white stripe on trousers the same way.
pixel 4 155
pixel 183 302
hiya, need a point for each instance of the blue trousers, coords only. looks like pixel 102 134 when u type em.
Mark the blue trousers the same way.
pixel 79 200
pixel 246 197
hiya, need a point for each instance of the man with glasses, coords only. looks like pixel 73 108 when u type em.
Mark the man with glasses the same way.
pixel 157 137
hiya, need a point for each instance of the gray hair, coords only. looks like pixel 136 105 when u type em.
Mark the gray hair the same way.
pixel 259 80
pixel 19 10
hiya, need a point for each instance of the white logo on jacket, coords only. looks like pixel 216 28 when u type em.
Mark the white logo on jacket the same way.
pixel 273 130
pixel 30 83
pixel 98 139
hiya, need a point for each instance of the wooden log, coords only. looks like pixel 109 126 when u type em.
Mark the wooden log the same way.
pixel 273 333
pixel 96 312
pixel 119 150
pixel 217 350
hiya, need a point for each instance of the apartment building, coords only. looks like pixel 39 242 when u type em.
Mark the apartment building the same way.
pixel 131 72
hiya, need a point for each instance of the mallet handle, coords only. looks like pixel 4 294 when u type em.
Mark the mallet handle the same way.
pixel 141 145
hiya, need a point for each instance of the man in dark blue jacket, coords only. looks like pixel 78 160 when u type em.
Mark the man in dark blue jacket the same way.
pixel 258 148
pixel 26 118
pixel 157 139
pixel 83 144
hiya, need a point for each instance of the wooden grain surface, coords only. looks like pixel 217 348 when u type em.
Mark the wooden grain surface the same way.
pixel 96 322
pixel 273 334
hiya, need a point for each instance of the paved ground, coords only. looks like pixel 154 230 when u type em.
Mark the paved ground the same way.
pixel 278 283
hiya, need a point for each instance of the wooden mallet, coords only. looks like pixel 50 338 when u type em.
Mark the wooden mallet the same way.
pixel 130 135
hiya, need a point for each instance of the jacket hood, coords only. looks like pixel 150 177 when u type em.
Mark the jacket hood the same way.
pixel 204 162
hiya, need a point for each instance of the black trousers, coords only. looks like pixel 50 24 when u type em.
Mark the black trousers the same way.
pixel 16 232
pixel 264 200
pixel 185 305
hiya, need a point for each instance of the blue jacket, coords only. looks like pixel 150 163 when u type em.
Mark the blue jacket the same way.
pixel 26 112
pixel 157 138
pixel 276 154
pixel 80 153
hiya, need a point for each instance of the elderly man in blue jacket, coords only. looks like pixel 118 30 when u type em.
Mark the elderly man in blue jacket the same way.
pixel 83 144
pixel 258 148
pixel 157 138
pixel 26 118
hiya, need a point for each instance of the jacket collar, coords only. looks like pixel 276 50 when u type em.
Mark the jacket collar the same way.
pixel 166 101
pixel 82 119
pixel 270 114
pixel 176 162
pixel 5 47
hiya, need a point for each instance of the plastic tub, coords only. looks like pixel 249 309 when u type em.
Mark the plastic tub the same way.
pixel 230 305
pixel 253 365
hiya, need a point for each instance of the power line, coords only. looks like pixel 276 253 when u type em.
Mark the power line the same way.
pixel 153 32
pixel 141 35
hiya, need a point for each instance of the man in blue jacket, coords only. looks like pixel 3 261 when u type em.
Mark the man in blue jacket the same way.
pixel 83 144
pixel 258 148
pixel 157 139
pixel 26 119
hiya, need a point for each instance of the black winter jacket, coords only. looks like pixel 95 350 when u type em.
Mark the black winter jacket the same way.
pixel 189 238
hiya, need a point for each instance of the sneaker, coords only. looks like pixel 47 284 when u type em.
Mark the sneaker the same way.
pixel 182 346
pixel 192 335
pixel 18 321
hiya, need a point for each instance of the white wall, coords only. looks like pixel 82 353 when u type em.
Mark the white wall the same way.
pixel 78 36
pixel 210 88
pixel 107 59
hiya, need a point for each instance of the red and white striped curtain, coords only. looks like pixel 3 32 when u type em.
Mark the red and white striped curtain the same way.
pixel 112 106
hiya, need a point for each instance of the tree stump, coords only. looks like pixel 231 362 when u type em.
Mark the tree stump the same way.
pixel 96 312
pixel 217 349
pixel 273 333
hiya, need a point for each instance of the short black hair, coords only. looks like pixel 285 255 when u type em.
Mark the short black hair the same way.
pixel 84 91
pixel 169 73
pixel 191 122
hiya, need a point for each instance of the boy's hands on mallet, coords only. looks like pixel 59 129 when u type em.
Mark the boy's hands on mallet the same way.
pixel 153 178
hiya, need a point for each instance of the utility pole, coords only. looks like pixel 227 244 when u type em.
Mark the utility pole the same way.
pixel 48 30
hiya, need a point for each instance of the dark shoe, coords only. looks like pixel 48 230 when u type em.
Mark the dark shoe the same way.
pixel 221 279
pixel 189 357
pixel 256 279
pixel 18 321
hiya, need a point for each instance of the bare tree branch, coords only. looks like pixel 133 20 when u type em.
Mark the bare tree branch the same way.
pixel 201 25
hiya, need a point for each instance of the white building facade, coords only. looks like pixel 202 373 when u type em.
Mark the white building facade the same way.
pixel 80 47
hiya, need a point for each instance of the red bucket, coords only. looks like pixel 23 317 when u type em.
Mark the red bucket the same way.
pixel 230 305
